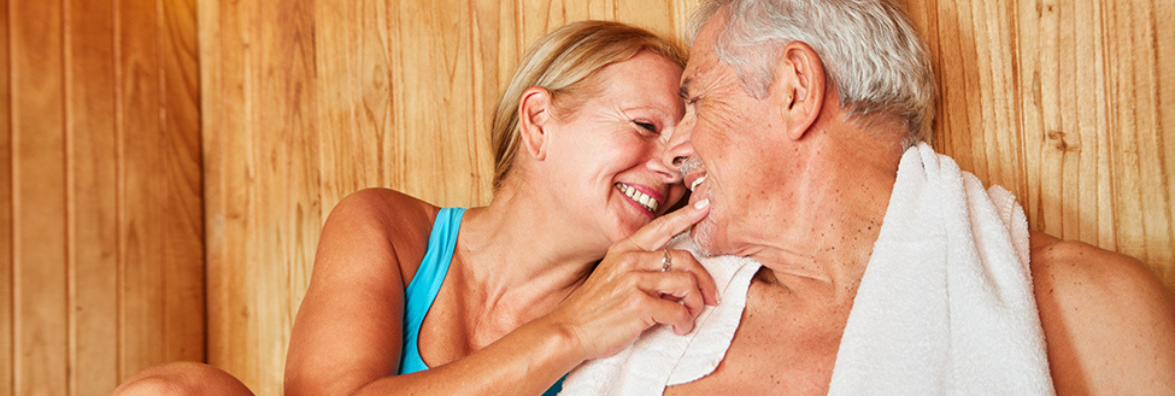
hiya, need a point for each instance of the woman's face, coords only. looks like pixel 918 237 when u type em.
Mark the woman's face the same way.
pixel 607 152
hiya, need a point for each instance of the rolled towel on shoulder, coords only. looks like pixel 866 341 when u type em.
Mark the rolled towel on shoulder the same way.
pixel 946 305
pixel 660 358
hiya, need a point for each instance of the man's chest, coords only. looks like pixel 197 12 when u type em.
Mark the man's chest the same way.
pixel 775 351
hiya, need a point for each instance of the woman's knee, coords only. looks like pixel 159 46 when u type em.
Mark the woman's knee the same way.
pixel 182 378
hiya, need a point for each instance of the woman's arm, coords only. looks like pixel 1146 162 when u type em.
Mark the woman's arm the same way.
pixel 348 328
pixel 347 338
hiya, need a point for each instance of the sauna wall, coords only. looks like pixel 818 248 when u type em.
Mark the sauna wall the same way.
pixel 101 224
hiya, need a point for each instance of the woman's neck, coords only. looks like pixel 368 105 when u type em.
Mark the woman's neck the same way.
pixel 516 260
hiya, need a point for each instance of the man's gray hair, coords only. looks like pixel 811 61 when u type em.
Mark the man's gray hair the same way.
pixel 869 49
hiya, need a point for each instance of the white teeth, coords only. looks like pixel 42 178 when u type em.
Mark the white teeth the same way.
pixel 640 197
pixel 694 185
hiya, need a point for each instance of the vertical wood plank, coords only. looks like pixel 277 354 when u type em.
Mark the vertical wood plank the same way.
pixel 354 102
pixel 1085 100
pixel 493 58
pixel 1141 185
pixel 93 200
pixel 180 199
pixel 979 43
pixel 657 17
pixel 539 17
pixel 437 125
pixel 955 42
pixel 1161 12
pixel 6 211
pixel 232 296
pixel 39 175
pixel 510 50
pixel 140 150
pixel 1033 28
pixel 286 156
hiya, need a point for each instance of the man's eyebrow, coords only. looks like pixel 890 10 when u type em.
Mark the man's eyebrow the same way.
pixel 683 90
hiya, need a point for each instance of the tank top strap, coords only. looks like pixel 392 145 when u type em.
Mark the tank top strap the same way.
pixel 422 290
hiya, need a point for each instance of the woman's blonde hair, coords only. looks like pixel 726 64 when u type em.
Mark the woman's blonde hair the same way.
pixel 565 63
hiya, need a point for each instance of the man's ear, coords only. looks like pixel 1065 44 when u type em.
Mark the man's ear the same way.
pixel 534 116
pixel 799 87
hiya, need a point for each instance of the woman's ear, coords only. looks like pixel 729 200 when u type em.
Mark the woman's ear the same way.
pixel 799 88
pixel 534 116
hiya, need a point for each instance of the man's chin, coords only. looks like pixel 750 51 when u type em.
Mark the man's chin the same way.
pixel 703 240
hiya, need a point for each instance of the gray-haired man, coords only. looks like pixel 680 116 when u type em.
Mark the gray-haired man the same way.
pixel 801 144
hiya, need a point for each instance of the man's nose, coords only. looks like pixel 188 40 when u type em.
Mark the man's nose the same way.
pixel 679 147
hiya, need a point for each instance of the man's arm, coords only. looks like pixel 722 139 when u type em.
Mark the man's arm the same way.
pixel 1109 323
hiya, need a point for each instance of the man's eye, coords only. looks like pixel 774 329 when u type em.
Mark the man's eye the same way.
pixel 646 126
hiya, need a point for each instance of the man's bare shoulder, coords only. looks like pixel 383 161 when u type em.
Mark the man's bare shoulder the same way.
pixel 1080 271
pixel 1109 323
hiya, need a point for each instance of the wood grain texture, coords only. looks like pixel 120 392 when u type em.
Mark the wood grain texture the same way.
pixel 226 147
pixel 101 230
pixel 181 197
pixel 92 195
pixel 160 218
pixel 40 313
pixel 141 282
pixel 7 387
pixel 1064 102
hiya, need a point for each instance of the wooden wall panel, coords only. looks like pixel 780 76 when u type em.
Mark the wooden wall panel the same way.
pixel 7 382
pixel 139 144
pixel 39 233
pixel 101 230
pixel 225 147
pixel 93 196
pixel 1163 12
pixel 181 196
pixel 306 101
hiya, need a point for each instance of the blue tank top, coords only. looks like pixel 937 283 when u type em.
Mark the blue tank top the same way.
pixel 421 292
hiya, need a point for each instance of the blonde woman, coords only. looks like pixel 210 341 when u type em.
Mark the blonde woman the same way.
pixel 409 298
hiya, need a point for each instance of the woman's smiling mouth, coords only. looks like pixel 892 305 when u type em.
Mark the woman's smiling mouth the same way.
pixel 646 201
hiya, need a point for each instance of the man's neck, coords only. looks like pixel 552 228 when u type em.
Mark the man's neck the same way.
pixel 823 242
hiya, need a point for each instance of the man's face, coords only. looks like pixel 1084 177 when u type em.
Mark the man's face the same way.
pixel 735 137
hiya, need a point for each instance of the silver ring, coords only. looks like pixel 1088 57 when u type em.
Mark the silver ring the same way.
pixel 666 262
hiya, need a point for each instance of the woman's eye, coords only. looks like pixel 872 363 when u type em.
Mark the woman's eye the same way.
pixel 646 126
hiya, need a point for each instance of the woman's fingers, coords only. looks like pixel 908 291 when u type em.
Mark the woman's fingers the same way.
pixel 683 260
pixel 673 314
pixel 657 233
pixel 676 286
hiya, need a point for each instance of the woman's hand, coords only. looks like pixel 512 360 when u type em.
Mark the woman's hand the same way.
pixel 632 289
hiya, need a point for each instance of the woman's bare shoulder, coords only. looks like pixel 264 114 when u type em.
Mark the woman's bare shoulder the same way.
pixel 348 329
pixel 397 222
pixel 387 207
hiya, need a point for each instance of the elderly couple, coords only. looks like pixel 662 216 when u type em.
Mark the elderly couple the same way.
pixel 799 126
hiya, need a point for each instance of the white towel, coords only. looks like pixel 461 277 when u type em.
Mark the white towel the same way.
pixel 660 358
pixel 946 303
